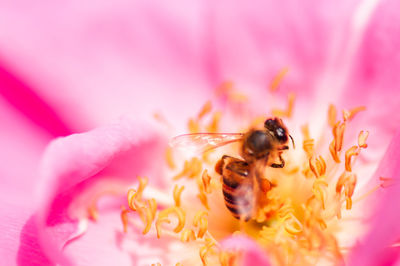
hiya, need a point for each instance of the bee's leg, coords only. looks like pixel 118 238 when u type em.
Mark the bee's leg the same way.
pixel 279 165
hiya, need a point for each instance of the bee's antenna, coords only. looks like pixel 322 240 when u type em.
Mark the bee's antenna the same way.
pixel 294 146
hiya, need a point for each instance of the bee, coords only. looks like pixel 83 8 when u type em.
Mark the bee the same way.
pixel 243 182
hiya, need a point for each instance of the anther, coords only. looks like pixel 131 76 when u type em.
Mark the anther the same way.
pixel 349 114
pixel 347 181
pixel 362 138
pixel 289 109
pixel 204 251
pixel 124 218
pixel 170 158
pixel 276 81
pixel 205 110
pixel 353 151
pixel 177 195
pixel 187 235
pixel 333 152
pixel 338 133
pixel 191 169
pixel 206 181
pixel 179 213
pixel 214 124
pixel 332 115
pixel 159 221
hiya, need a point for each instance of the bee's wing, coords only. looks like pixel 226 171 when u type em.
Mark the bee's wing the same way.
pixel 202 142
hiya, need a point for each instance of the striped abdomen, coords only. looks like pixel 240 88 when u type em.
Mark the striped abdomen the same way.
pixel 237 187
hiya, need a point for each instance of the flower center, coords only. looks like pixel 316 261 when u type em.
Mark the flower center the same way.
pixel 296 220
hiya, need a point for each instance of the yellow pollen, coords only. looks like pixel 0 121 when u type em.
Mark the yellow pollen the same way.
pixel 317 166
pixel 362 138
pixel 177 195
pixel 276 81
pixel 157 264
pixel 353 151
pixel 332 113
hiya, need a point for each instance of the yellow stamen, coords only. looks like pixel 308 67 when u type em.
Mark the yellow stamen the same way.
pixel 203 199
pixel 226 258
pixel 338 133
pixel 332 112
pixel 276 81
pixel 191 169
pixel 289 109
pixel 347 181
pixel 206 181
pixel 177 195
pixel 201 221
pixel 362 138
pixel 187 235
pixel 124 218
pixel 349 115
pixel 204 251
pixel 353 151
pixel 153 207
pixel 160 221
pixel 214 124
pixel 205 110
pixel 180 215
pixel 135 197
pixel 170 158
pixel 333 152
pixel 147 218
pixel 157 264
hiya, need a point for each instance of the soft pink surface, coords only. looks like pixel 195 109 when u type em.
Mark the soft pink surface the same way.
pixel 252 253
pixel 68 67
pixel 374 248
pixel 118 152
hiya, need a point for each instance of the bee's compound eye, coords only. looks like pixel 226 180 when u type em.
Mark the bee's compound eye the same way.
pixel 281 135
pixel 259 141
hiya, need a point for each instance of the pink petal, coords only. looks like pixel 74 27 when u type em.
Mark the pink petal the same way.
pixel 97 61
pixel 22 143
pixel 252 253
pixel 374 79
pixel 74 164
pixel 374 248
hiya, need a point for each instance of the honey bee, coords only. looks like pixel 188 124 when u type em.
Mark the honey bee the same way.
pixel 243 183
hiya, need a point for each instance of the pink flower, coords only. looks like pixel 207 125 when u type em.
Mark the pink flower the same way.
pixel 67 68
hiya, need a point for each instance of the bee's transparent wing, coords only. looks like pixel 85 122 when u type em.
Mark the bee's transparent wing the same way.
pixel 202 142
